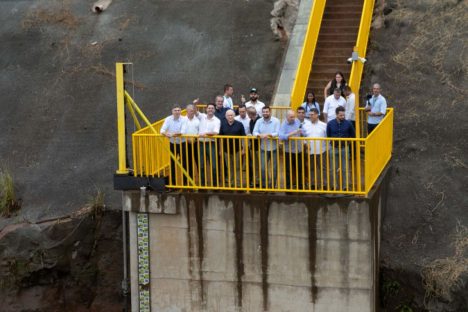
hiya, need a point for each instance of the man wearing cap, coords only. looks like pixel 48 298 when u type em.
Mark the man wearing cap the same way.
pixel 254 102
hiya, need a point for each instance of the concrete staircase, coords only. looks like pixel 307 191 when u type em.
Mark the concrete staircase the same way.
pixel 337 37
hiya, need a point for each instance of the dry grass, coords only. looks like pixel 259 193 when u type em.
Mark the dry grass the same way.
pixel 96 203
pixel 9 203
pixel 42 17
pixel 442 276
pixel 432 42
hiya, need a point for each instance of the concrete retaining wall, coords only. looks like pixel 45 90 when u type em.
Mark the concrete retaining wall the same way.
pixel 241 252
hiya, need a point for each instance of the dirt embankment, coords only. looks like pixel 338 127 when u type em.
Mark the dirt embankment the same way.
pixel 69 264
pixel 419 54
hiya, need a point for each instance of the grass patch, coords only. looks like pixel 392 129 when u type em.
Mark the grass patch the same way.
pixel 96 203
pixel 9 203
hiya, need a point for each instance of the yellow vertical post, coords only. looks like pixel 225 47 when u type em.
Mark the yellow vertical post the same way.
pixel 357 122
pixel 122 169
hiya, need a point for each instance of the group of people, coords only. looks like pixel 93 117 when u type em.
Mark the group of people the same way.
pixel 192 139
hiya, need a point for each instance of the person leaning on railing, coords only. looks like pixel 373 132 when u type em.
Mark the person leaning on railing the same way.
pixel 171 128
pixel 339 154
pixel 292 127
pixel 317 150
pixel 266 129
pixel 376 107
pixel 209 126
pixel 232 149
pixel 190 127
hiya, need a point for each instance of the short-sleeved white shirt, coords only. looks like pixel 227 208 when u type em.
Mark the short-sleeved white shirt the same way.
pixel 331 103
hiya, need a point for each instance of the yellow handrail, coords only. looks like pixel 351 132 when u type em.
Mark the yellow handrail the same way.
pixel 378 150
pixel 307 54
pixel 361 48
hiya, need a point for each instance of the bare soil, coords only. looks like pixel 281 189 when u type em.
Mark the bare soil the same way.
pixel 419 54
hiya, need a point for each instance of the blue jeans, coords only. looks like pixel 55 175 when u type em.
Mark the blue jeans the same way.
pixel 339 173
pixel 265 157
pixel 207 153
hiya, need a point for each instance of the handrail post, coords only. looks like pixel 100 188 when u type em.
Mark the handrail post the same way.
pixel 122 153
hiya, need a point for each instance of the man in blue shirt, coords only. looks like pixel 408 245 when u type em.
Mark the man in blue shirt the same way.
pixel 292 127
pixel 266 129
pixel 376 107
pixel 339 151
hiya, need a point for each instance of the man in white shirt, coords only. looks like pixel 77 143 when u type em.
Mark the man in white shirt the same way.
pixel 207 148
pixel 228 92
pixel 317 150
pixel 254 102
pixel 171 129
pixel 350 106
pixel 190 128
pixel 331 103
pixel 244 119
pixel 301 116
pixel 267 130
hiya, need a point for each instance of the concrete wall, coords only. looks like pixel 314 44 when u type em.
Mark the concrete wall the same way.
pixel 241 252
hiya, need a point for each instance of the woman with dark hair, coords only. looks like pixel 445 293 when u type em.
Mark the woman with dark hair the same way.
pixel 310 102
pixel 337 82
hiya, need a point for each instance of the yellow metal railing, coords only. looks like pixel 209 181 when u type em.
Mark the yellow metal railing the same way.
pixel 305 165
pixel 307 54
pixel 378 150
pixel 361 47
pixel 308 165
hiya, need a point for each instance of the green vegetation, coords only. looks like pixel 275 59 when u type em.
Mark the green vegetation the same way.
pixel 9 204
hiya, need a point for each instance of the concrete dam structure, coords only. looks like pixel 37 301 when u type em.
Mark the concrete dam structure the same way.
pixel 219 244
pixel 248 252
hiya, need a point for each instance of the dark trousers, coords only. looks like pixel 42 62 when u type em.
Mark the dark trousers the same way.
pixel 189 159
pixel 318 174
pixel 371 127
pixel 293 161
pixel 208 155
pixel 353 122
pixel 254 164
pixel 176 150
